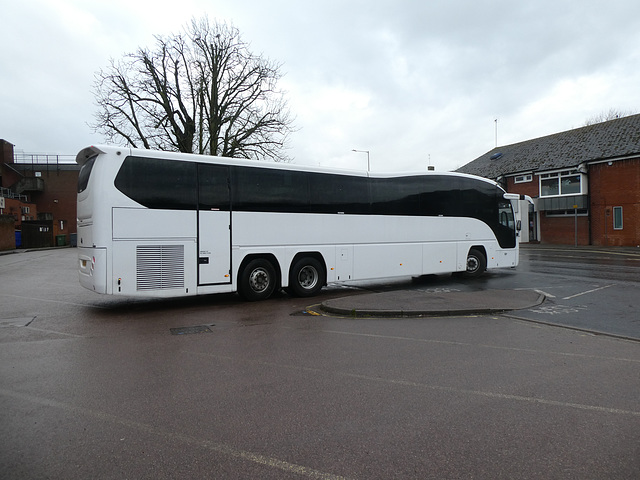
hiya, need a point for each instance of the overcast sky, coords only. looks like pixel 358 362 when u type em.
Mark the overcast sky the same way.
pixel 410 81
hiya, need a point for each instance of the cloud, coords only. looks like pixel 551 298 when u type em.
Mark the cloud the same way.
pixel 406 80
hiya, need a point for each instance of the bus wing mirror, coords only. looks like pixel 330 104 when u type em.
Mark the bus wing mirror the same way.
pixel 519 225
pixel 516 196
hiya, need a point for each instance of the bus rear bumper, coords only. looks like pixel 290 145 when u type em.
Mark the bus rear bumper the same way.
pixel 92 269
pixel 504 258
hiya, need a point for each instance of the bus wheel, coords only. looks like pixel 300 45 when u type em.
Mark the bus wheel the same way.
pixel 306 277
pixel 257 280
pixel 476 263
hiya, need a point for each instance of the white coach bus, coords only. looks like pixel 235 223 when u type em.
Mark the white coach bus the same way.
pixel 170 224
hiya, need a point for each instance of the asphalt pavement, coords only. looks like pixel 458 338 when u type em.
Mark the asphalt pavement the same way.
pixel 570 301
pixel 96 386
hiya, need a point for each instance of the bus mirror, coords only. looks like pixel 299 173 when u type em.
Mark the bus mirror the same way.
pixel 519 225
pixel 516 196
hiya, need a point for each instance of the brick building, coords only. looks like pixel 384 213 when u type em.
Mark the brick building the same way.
pixel 39 193
pixel 585 183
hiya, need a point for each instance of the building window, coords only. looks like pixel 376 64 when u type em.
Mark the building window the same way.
pixel 581 212
pixel 523 178
pixel 617 218
pixel 562 183
pixel 549 187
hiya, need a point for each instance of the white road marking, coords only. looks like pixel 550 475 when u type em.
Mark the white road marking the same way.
pixel 538 290
pixel 588 291
pixel 480 345
pixel 544 293
pixel 391 381
pixel 221 448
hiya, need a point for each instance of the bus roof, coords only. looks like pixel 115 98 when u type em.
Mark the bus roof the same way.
pixel 94 150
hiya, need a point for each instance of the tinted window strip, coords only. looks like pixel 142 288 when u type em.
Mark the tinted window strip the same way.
pixel 175 185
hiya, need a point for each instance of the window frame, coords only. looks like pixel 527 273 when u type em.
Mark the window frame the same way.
pixel 158 183
pixel 558 176
pixel 618 225
pixel 523 178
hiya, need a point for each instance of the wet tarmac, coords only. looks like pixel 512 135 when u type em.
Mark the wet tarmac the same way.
pixel 108 387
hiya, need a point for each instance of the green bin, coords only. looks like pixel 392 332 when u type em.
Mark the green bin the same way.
pixel 61 240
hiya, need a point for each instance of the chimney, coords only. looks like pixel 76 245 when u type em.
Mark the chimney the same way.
pixel 6 152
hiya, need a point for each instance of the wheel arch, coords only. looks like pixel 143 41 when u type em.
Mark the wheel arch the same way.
pixel 270 257
pixel 317 255
pixel 480 248
pixel 480 254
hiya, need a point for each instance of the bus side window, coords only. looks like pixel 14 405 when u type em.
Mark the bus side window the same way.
pixel 213 187
pixel 158 183
pixel 397 196
pixel 269 190
pixel 331 193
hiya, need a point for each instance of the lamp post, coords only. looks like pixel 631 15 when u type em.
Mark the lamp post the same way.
pixel 368 161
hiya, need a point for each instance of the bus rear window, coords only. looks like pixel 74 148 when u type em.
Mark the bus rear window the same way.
pixel 85 173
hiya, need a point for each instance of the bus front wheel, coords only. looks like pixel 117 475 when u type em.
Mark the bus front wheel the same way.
pixel 476 263
pixel 257 280
pixel 306 277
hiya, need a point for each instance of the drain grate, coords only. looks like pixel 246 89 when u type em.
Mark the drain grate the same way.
pixel 190 330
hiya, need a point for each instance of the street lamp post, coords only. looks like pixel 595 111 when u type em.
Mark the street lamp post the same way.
pixel 368 161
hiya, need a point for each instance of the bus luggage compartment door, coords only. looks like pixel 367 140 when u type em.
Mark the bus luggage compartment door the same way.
pixel 214 247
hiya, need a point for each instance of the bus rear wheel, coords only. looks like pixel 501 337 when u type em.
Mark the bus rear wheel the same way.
pixel 257 280
pixel 306 277
pixel 476 263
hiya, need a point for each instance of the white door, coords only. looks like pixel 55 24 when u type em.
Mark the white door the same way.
pixel 214 225
pixel 214 247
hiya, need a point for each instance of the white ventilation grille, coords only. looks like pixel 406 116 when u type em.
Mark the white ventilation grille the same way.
pixel 159 267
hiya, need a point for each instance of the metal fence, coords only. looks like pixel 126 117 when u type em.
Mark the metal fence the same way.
pixel 42 158
pixel 5 192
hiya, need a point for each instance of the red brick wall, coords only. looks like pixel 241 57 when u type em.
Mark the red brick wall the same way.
pixel 59 199
pixel 8 176
pixel 6 152
pixel 13 208
pixel 615 185
pixel 7 233
pixel 526 188
pixel 562 230
pixel 12 220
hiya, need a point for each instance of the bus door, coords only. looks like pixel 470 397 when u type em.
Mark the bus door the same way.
pixel 214 225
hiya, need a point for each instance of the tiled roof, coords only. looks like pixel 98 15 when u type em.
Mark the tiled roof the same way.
pixel 601 141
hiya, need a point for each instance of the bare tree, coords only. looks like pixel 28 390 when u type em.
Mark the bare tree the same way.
pixel 200 92
pixel 612 114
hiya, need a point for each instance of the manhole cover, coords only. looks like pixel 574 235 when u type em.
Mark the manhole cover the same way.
pixel 190 330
